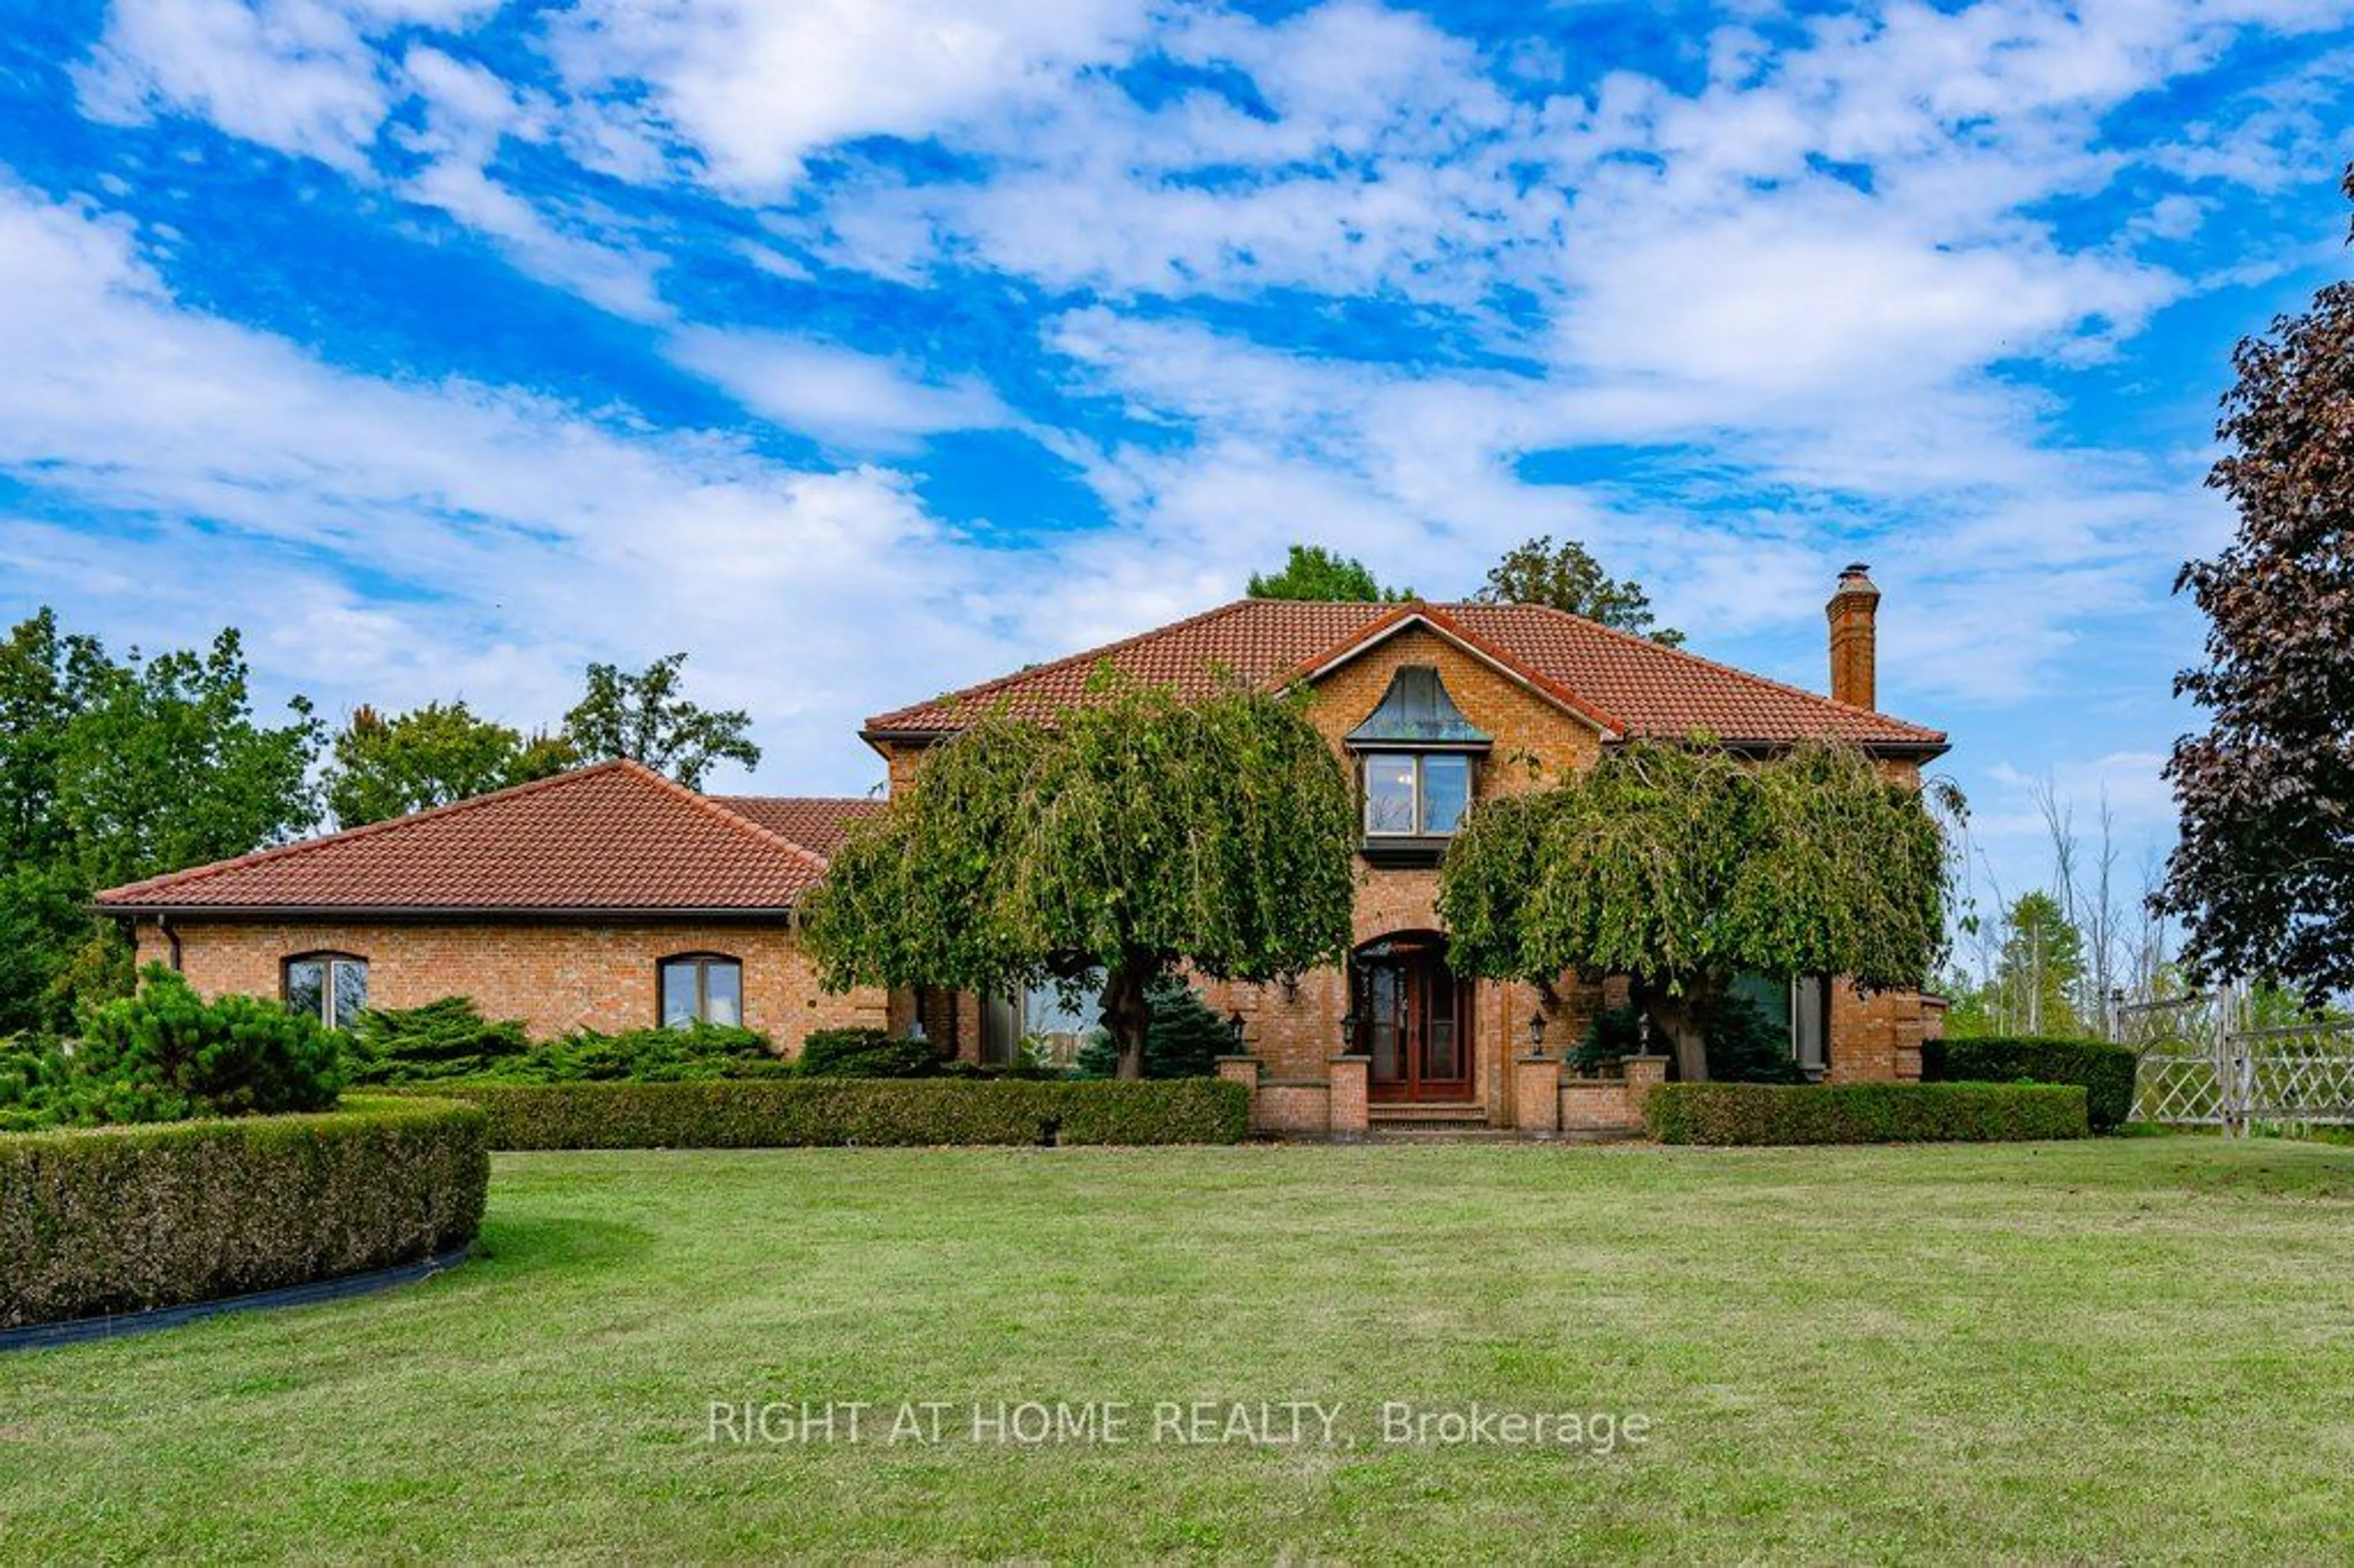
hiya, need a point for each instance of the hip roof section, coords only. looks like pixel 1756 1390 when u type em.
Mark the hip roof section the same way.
pixel 616 836
pixel 1625 686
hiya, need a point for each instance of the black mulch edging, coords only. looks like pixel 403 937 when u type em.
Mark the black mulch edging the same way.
pixel 115 1326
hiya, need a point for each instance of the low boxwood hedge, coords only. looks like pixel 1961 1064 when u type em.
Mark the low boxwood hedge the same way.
pixel 1864 1113
pixel 818 1112
pixel 122 1219
pixel 2106 1071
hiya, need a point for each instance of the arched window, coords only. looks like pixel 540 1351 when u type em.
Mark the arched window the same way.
pixel 701 988
pixel 331 987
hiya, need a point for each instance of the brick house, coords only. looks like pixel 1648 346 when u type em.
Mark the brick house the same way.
pixel 611 897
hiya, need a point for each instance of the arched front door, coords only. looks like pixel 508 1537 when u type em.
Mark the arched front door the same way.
pixel 1413 1019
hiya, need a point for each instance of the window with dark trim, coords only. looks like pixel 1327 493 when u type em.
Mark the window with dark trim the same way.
pixel 701 988
pixel 1799 1007
pixel 330 987
pixel 1419 794
pixel 1053 1022
pixel 1417 768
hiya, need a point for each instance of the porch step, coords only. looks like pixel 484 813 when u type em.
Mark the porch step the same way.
pixel 1464 1112
pixel 1480 1132
pixel 1440 1132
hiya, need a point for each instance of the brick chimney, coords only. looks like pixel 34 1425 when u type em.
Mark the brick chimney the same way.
pixel 1852 610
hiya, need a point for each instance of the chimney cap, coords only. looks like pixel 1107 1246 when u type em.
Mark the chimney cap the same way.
pixel 1855 581
pixel 1857 569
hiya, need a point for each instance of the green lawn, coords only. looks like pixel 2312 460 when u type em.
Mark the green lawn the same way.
pixel 2133 1350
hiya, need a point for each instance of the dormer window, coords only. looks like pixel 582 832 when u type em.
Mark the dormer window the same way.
pixel 1418 757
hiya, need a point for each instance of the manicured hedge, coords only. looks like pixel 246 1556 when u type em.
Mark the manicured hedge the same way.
pixel 803 1112
pixel 120 1219
pixel 2106 1071
pixel 1864 1113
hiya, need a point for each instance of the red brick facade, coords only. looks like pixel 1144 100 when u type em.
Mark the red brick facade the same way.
pixel 554 976
pixel 1295 1033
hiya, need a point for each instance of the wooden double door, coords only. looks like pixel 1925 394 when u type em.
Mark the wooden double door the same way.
pixel 1414 1020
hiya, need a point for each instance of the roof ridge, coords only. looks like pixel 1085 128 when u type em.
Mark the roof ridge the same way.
pixel 803 800
pixel 736 820
pixel 1718 666
pixel 365 829
pixel 966 693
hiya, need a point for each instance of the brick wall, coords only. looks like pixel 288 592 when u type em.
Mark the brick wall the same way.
pixel 1878 1037
pixel 553 977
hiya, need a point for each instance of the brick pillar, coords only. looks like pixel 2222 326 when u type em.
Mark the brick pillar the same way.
pixel 1643 1073
pixel 1536 1095
pixel 1243 1070
pixel 1349 1120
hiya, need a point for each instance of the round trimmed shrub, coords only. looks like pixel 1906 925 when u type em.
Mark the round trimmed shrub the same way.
pixel 123 1219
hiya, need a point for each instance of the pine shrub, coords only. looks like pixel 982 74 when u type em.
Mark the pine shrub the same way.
pixel 166 1054
pixel 444 1039
pixel 867 1054
pixel 1184 1039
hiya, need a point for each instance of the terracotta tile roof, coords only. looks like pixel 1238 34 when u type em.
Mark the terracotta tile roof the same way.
pixel 1627 686
pixel 614 836
pixel 816 823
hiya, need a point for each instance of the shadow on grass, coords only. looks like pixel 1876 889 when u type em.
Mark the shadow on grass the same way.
pixel 509 1246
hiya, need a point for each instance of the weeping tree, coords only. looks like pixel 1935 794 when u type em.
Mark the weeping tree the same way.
pixel 1681 866
pixel 1127 835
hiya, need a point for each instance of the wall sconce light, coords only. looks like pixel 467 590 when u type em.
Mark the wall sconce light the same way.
pixel 1235 1027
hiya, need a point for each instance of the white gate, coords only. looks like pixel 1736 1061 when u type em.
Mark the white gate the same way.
pixel 2201 1068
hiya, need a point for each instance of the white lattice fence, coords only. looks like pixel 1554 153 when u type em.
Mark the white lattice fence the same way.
pixel 2180 1090
pixel 2196 1070
pixel 2301 1074
pixel 2183 1080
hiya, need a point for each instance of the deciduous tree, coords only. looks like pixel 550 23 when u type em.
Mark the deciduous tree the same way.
pixel 1684 866
pixel 1131 834
pixel 645 717
pixel 2263 876
pixel 163 765
pixel 1313 572
pixel 1567 576
pixel 430 757
pixel 114 770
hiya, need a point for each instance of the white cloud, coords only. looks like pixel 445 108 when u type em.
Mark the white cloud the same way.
pixel 301 76
pixel 1825 282
pixel 469 113
pixel 842 396
pixel 398 542
pixel 750 90
pixel 1377 158
pixel 2139 800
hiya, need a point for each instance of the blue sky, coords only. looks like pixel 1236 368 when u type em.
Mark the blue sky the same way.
pixel 868 348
